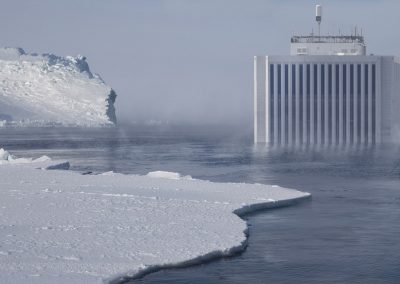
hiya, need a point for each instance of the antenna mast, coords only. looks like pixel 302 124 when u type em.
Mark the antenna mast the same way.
pixel 318 13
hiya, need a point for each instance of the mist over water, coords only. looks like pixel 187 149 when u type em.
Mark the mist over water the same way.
pixel 137 149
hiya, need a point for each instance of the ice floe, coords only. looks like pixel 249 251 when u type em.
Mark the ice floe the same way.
pixel 64 227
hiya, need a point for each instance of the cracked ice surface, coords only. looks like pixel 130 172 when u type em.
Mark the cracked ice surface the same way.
pixel 62 227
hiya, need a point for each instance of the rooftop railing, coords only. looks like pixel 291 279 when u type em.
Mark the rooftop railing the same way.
pixel 327 39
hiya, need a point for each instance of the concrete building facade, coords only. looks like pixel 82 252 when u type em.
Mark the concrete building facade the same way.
pixel 327 92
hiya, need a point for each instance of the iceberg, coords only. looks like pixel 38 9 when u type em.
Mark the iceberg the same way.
pixel 41 90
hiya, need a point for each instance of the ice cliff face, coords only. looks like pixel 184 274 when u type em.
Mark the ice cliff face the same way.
pixel 37 90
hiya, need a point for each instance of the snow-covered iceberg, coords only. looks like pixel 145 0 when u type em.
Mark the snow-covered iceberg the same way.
pixel 39 90
pixel 63 227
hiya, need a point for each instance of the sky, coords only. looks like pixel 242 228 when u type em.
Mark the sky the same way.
pixel 186 61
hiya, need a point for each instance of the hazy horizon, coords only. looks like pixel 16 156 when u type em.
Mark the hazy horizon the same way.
pixel 186 61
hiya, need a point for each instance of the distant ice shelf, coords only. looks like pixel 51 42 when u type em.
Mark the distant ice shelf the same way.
pixel 43 90
pixel 63 227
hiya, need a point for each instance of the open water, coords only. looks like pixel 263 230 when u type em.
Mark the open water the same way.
pixel 348 233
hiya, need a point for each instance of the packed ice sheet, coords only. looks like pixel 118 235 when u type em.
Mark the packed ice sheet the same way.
pixel 59 226
pixel 40 90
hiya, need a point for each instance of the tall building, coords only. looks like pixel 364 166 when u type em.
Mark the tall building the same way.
pixel 328 91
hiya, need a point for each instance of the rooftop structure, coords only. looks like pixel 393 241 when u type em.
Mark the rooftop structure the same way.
pixel 328 45
pixel 355 39
pixel 353 44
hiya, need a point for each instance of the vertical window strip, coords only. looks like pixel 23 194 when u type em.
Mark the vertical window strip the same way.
pixel 337 103
pixel 286 106
pixel 279 102
pixel 315 106
pixel 322 104
pixel 301 101
pixel 344 106
pixel 351 103
pixel 308 102
pixel 359 102
pixel 293 110
pixel 330 103
pixel 366 104
pixel 271 101
pixel 374 104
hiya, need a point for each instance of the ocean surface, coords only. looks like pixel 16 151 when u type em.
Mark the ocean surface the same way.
pixel 348 233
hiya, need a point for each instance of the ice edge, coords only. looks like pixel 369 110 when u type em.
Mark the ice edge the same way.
pixel 213 255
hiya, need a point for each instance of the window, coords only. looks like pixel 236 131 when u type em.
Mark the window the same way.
pixel 279 102
pixel 344 106
pixel 330 102
pixel 366 102
pixel 374 103
pixel 302 50
pixel 358 102
pixel 308 102
pixel 293 100
pixel 323 103
pixel 301 101
pixel 315 106
pixel 286 106
pixel 271 101
pixel 351 103
pixel 337 102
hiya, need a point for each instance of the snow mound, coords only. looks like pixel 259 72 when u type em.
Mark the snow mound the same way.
pixel 43 162
pixel 5 156
pixel 40 90
pixel 167 175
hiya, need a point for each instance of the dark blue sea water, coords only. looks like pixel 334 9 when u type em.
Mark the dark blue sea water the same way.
pixel 348 233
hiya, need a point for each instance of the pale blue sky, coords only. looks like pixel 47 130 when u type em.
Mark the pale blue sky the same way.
pixel 185 60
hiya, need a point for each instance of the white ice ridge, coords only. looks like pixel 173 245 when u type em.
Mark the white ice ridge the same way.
pixel 63 227
pixel 38 90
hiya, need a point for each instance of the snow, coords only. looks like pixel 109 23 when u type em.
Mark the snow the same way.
pixel 64 227
pixel 4 155
pixel 40 90
pixel 167 175
pixel 7 158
